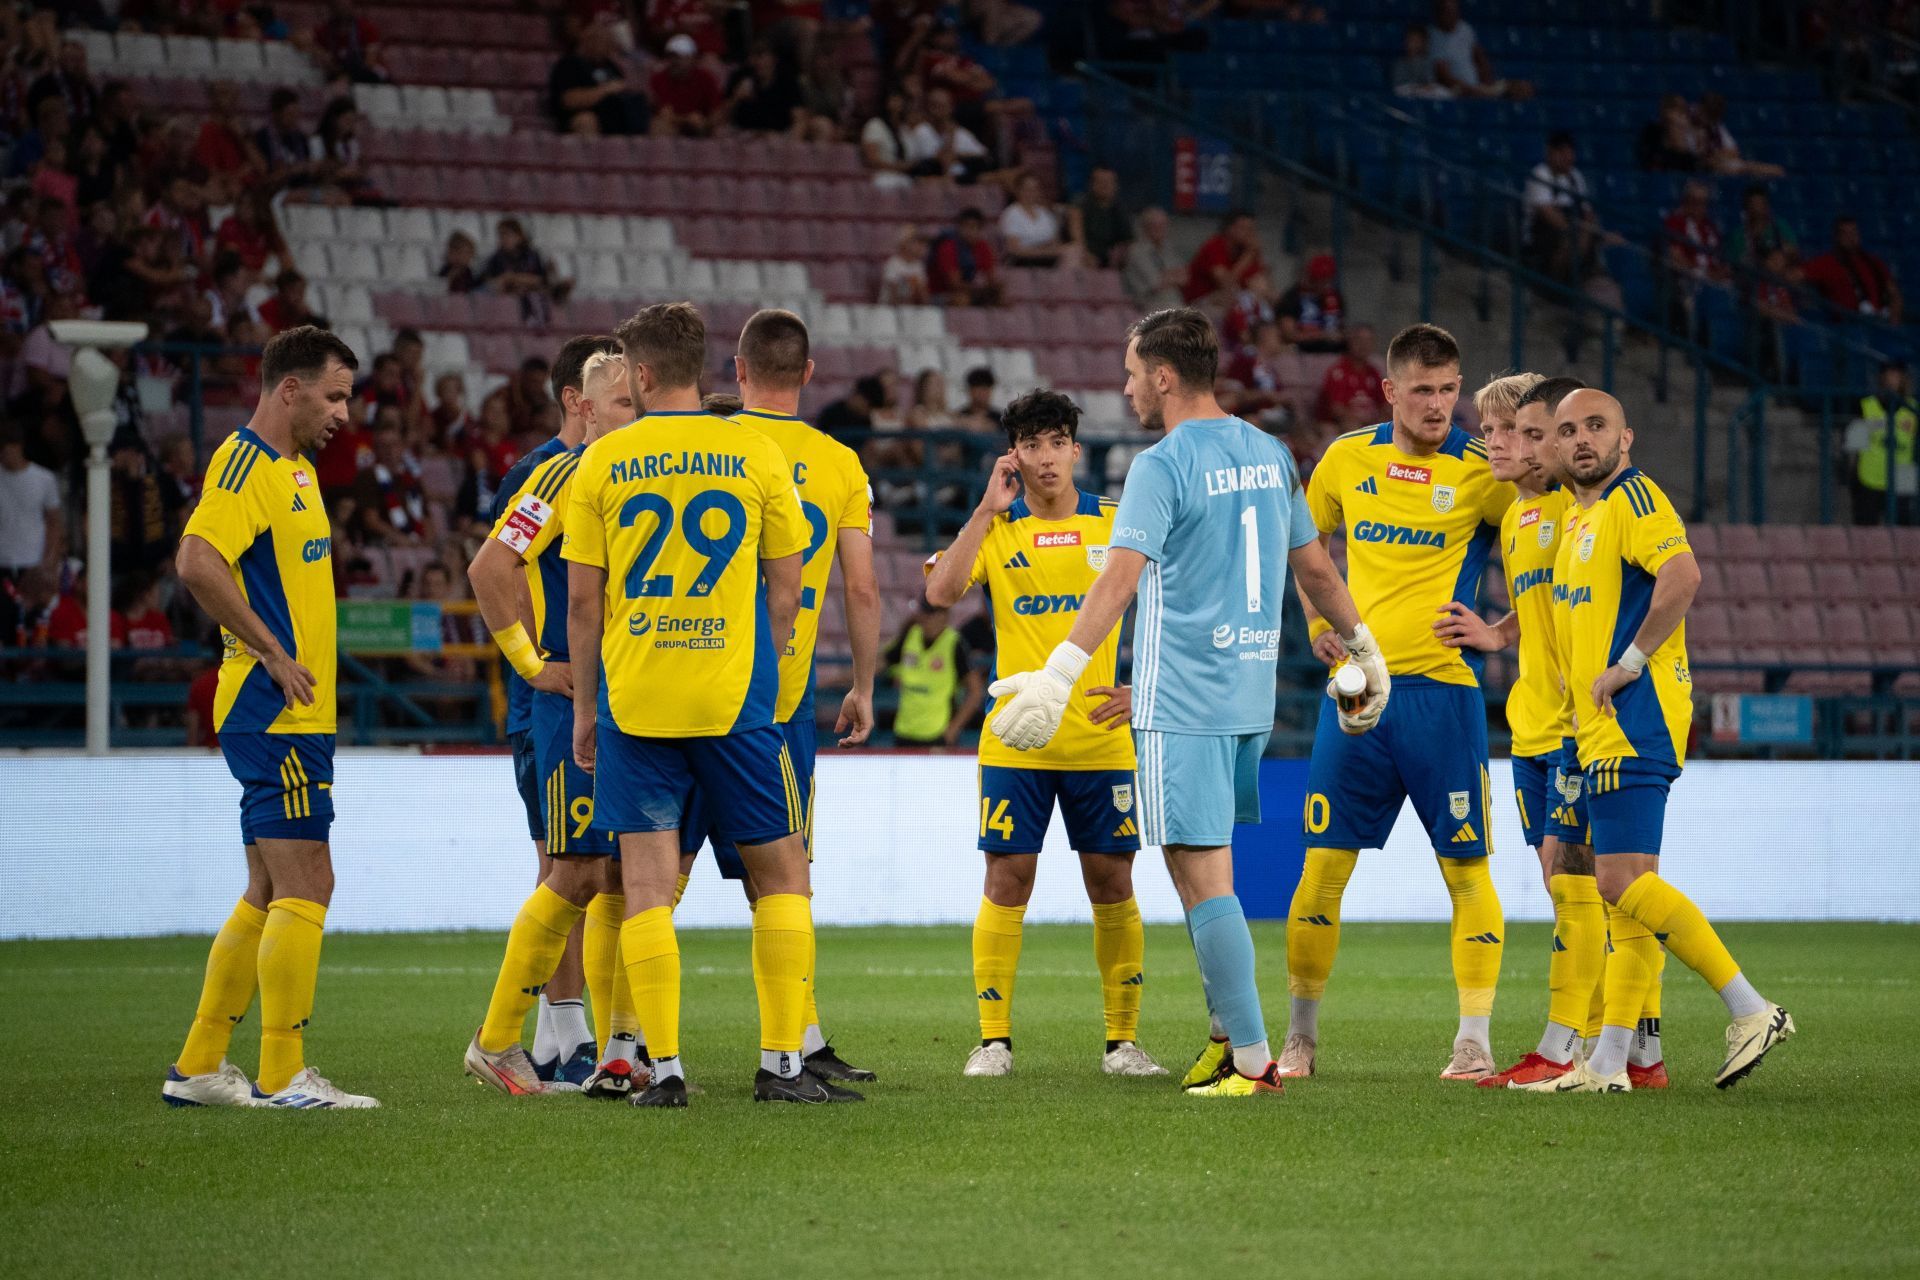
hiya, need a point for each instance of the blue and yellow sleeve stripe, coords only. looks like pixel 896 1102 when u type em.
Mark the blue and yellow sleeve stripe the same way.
pixel 239 466
pixel 1638 496
pixel 552 478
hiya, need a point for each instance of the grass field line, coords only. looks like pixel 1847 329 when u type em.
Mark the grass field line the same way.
pixel 468 971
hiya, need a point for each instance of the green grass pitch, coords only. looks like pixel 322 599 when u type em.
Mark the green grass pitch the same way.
pixel 1373 1169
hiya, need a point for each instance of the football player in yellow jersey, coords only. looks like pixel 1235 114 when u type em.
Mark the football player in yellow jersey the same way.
pixel 1628 583
pixel 684 539
pixel 1420 508
pixel 521 560
pixel 1036 543
pixel 257 554
pixel 773 363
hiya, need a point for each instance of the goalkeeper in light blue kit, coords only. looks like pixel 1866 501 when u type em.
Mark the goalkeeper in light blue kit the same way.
pixel 1211 518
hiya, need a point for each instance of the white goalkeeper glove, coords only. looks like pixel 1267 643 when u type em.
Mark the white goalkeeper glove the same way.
pixel 1365 654
pixel 1035 701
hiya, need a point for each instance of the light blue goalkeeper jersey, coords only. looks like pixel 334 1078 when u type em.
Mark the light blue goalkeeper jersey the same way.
pixel 1215 506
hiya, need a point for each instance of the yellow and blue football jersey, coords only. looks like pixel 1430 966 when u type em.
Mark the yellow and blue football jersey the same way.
pixel 1037 573
pixel 1418 532
pixel 1539 711
pixel 834 495
pixel 531 523
pixel 263 514
pixel 679 508
pixel 1615 548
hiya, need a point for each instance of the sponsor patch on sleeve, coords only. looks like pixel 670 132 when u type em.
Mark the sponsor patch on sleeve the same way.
pixel 524 523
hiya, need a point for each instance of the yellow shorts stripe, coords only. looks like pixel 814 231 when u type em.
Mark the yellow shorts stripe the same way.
pixel 792 787
pixel 1520 799
pixel 286 791
pixel 556 811
pixel 1486 807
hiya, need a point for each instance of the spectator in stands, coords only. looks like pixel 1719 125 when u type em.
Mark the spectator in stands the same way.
pixel 53 181
pixel 1312 312
pixel 143 532
pixel 1460 64
pixel 764 95
pixel 67 80
pixel 516 267
pixel 347 453
pixel 1891 407
pixel 450 419
pixel 181 212
pixel 1561 234
pixel 527 398
pixel 45 360
pixel 222 145
pixel 411 350
pixel 853 411
pixel 1760 232
pixel 687 100
pixel 179 473
pixel 339 139
pixel 1355 375
pixel 1252 306
pixel 252 233
pixel 389 501
pixel 978 413
pixel 284 145
pixel 1722 152
pixel 930 409
pixel 287 308
pixel 456 267
pixel 700 19
pixel 1153 274
pixel 826 93
pixel 978 101
pixel 1098 224
pixel 196 326
pixel 51 121
pixel 1692 253
pixel 903 278
pixel 940 146
pixel 1772 308
pixel 1671 143
pixel 588 91
pixel 1854 281
pixel 884 145
pixel 1000 24
pixel 347 46
pixel 1030 228
pixel 1225 261
pixel 97 173
pixel 1270 378
pixel 138 621
pixel 380 390
pixel 932 665
pixel 32 530
pixel 961 268
pixel 1412 73
pixel 67 620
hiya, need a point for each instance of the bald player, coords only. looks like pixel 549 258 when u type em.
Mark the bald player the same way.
pixel 1621 628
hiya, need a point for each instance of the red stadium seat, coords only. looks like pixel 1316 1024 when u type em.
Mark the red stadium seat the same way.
pixel 1705 540
pixel 1746 582
pixel 1741 542
pixel 1844 624
pixel 1836 582
pixel 1873 544
pixel 1882 584
pixel 1828 543
pixel 1798 627
pixel 496 311
pixel 1783 542
pixel 1713 585
pixel 1889 627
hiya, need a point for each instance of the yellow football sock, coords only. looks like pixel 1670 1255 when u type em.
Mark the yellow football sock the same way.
pixel 534 944
pixel 1597 1006
pixel 1120 950
pixel 1313 920
pixel 1478 929
pixel 813 1009
pixel 600 959
pixel 782 959
pixel 680 888
pixel 1629 969
pixel 1665 910
pixel 996 958
pixel 1651 1007
pixel 651 954
pixel 226 991
pixel 289 968
pixel 1579 957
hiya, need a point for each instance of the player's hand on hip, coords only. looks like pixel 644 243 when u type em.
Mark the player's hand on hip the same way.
pixel 583 742
pixel 856 718
pixel 1459 627
pixel 1003 486
pixel 1609 682
pixel 554 677
pixel 295 681
pixel 1328 649
pixel 1117 709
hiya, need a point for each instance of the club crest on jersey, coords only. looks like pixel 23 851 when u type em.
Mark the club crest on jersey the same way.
pixel 1567 784
pixel 1096 558
pixel 301 478
pixel 1586 547
pixel 1458 805
pixel 1068 538
pixel 1123 797
pixel 1443 498
pixel 1546 534
pixel 1412 475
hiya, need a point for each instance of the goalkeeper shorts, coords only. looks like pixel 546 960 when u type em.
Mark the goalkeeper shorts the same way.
pixel 1195 787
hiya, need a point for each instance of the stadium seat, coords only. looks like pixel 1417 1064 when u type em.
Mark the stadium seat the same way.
pixel 1882 584
pixel 1835 583
pixel 1705 540
pixel 1827 543
pixel 1741 542
pixel 1873 544
pixel 1747 581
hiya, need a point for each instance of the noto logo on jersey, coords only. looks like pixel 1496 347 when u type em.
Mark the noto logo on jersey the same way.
pixel 1412 475
pixel 1397 535
pixel 1033 605
pixel 1071 538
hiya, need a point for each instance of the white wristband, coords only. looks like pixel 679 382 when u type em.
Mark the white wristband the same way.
pixel 1067 661
pixel 1634 660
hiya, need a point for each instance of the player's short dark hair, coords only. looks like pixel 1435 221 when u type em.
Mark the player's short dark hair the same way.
pixel 668 337
pixel 1038 412
pixel 569 366
pixel 774 348
pixel 722 404
pixel 1181 338
pixel 303 352
pixel 1425 346
pixel 1549 392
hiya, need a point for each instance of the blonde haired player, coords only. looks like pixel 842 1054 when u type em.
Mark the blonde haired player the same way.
pixel 1623 599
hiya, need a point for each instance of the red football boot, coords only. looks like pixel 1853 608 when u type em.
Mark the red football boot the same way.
pixel 1528 1070
pixel 1653 1077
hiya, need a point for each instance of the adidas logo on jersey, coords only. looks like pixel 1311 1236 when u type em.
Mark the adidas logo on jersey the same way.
pixel 1367 486
pixel 1465 834
pixel 1314 920
pixel 1492 939
pixel 1126 829
pixel 299 503
pixel 1019 561
pixel 991 994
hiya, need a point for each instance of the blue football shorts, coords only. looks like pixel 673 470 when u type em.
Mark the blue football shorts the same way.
pixel 701 827
pixel 1627 804
pixel 1097 805
pixel 747 777
pixel 526 780
pixel 286 784
pixel 566 790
